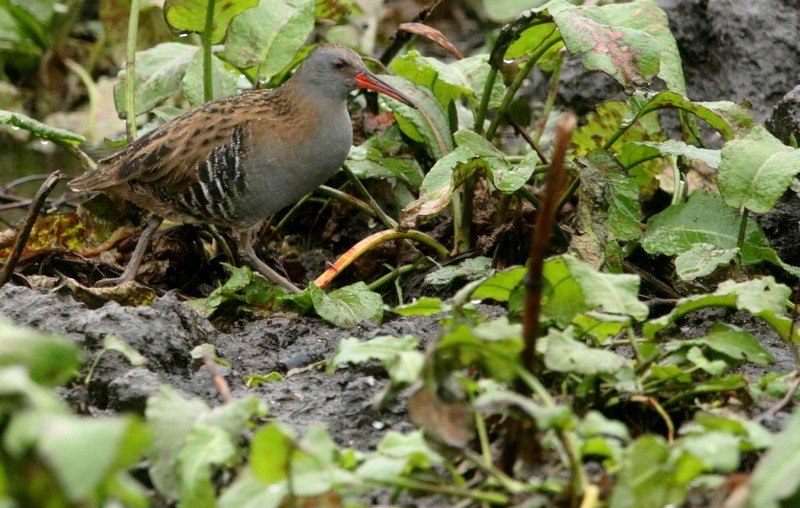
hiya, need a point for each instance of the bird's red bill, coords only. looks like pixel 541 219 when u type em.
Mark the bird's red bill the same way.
pixel 372 82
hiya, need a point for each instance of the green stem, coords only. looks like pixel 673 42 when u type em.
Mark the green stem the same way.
pixel 480 115
pixel 555 80
pixel 130 72
pixel 382 216
pixel 397 272
pixel 518 80
pixel 462 215
pixel 450 490
pixel 91 91
pixel 742 229
pixel 573 186
pixel 346 198
pixel 208 82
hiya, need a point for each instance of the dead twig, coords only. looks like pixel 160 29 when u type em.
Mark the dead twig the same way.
pixel 222 385
pixel 400 37
pixel 27 227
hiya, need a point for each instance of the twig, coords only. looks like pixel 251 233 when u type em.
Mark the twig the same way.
pixel 222 385
pixel 30 220
pixel 783 402
pixel 520 130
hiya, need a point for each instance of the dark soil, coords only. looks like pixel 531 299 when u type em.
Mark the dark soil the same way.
pixel 733 50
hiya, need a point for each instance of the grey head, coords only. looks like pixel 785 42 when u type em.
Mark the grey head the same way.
pixel 332 71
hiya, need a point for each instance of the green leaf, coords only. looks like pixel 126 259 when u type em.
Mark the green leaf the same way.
pixel 613 293
pixel 269 36
pixel 205 447
pixel 650 478
pixel 223 80
pixel 565 354
pixel 398 355
pixel 374 159
pixel 398 455
pixel 428 123
pixel 776 478
pixel 501 11
pixel 271 452
pixel 424 306
pixel 756 171
pixel 114 343
pixel 705 231
pixel 494 344
pixel 190 15
pixel 87 454
pixel 250 492
pixel 606 42
pixel 49 360
pixel 733 342
pixel 638 151
pixel 159 72
pixel 470 269
pixel 643 103
pixel 762 297
pixel 648 17
pixel 44 131
pixel 501 285
pixel 440 78
pixel 348 306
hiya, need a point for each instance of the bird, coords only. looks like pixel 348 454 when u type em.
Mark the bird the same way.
pixel 235 161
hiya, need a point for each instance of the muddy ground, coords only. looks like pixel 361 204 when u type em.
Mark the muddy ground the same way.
pixel 733 50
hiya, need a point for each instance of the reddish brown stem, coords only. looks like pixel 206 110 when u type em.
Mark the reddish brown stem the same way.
pixel 540 242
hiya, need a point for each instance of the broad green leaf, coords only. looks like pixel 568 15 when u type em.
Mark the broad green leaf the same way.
pixel 271 452
pixel 752 435
pixel 424 306
pixel 565 354
pixel 640 151
pixel 349 305
pixel 375 159
pixel 647 16
pixel 223 80
pixel 44 131
pixel 269 36
pixel 87 454
pixel 494 344
pixel 205 447
pixel 600 326
pixel 501 285
pixel 498 400
pixel 541 35
pixel 49 360
pixel 605 43
pixel 649 478
pixel 474 71
pixel 776 478
pixel 607 119
pixel 190 15
pixel 717 450
pixel 643 103
pixel 428 123
pixel 613 293
pixel 705 230
pixel 446 84
pixel 159 73
pixel 247 491
pixel 505 177
pixel 730 341
pixel 399 355
pixel 756 171
pixel 762 297
pixel 469 269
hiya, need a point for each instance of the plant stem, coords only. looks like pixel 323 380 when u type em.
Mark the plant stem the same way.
pixel 477 495
pixel 130 72
pixel 552 92
pixel 208 82
pixel 91 91
pixel 480 115
pixel 742 229
pixel 346 198
pixel 378 211
pixel 517 83
pixel 462 215
pixel 397 272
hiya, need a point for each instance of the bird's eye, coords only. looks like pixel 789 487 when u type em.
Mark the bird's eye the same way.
pixel 339 64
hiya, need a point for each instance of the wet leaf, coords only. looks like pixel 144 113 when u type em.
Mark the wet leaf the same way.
pixel 269 36
pixel 41 130
pixel 348 306
pixel 470 269
pixel 190 15
pixel 756 171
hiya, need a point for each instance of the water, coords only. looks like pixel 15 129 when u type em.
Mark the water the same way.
pixel 20 160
